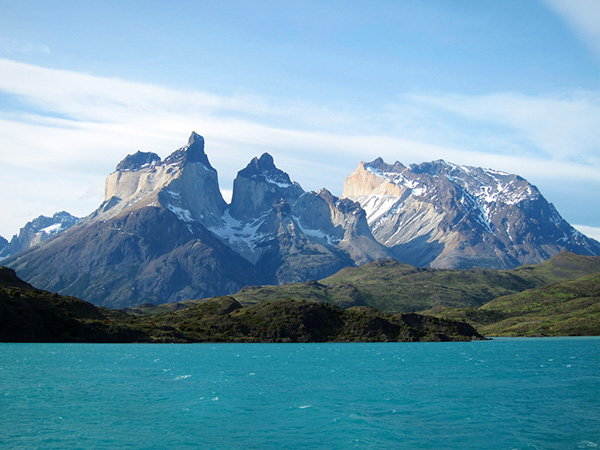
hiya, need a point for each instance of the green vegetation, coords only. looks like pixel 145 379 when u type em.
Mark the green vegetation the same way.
pixel 394 287
pixel 224 319
pixel 569 308
pixel 31 315
pixel 371 303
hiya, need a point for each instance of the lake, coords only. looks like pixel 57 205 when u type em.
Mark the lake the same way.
pixel 501 394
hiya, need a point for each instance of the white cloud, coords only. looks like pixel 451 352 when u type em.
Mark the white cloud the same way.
pixel 564 128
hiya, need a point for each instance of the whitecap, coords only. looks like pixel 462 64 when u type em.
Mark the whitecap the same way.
pixel 304 406
pixel 182 377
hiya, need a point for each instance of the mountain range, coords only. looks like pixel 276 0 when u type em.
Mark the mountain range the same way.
pixel 165 234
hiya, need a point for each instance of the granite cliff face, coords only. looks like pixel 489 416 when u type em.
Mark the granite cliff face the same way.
pixel 185 183
pixel 165 234
pixel 443 215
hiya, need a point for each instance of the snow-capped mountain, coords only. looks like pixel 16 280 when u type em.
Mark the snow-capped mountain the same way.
pixel 38 230
pixel 448 216
pixel 164 233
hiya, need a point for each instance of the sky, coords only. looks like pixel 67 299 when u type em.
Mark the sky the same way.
pixel 321 85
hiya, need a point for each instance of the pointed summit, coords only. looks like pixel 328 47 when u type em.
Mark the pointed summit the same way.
pixel 259 186
pixel 185 183
pixel 193 152
pixel 259 165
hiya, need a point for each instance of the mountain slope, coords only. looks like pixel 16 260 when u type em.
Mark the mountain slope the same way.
pixel 291 235
pixel 447 216
pixel 570 308
pixel 395 287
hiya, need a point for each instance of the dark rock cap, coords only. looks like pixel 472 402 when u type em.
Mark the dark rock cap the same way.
pixel 137 161
pixel 193 152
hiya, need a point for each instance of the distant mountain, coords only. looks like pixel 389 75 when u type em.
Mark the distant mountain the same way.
pixel 3 245
pixel 164 234
pixel 37 231
pixel 443 215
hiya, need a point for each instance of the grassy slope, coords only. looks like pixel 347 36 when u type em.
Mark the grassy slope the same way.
pixel 570 308
pixel 394 287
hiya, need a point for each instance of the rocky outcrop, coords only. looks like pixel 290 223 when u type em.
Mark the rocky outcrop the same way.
pixel 291 235
pixel 448 216
pixel 259 186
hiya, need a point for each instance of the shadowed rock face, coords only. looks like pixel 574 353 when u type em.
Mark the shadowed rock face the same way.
pixel 448 216
pixel 259 186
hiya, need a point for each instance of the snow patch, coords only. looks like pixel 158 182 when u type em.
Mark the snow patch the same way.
pixel 183 214
pixel 52 229
pixel 238 234
pixel 275 182
pixel 317 233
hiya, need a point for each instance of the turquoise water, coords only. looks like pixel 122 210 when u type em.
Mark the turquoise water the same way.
pixel 501 394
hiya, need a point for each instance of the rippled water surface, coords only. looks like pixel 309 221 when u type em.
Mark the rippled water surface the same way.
pixel 501 394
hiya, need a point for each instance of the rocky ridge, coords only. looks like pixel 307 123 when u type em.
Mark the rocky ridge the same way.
pixel 444 215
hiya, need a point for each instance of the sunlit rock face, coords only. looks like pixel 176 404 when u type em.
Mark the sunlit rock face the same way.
pixel 443 215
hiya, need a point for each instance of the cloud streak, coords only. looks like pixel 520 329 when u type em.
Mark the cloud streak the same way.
pixel 583 16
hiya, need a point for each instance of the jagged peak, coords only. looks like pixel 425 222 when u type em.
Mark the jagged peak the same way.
pixel 259 165
pixel 139 160
pixel 264 168
pixel 192 152
pixel 380 165
pixel 326 195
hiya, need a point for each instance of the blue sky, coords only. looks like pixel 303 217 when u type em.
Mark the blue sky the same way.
pixel 512 85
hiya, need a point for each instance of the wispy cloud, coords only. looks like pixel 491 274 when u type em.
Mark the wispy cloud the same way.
pixel 564 128
pixel 19 46
pixel 583 16
pixel 593 232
